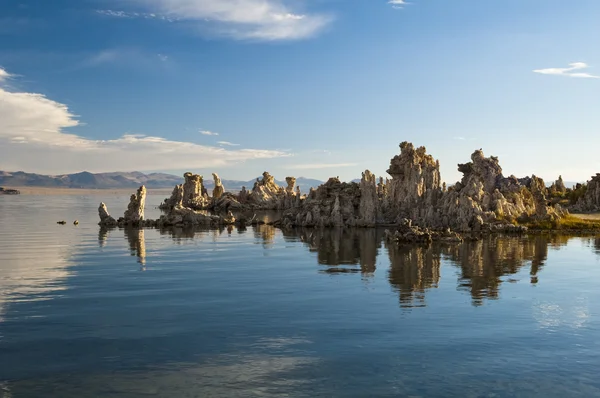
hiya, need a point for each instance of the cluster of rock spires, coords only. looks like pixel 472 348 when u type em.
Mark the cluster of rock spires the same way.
pixel 590 201
pixel 414 198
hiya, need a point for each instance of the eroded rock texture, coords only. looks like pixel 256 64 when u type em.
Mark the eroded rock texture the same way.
pixel 105 218
pixel 558 187
pixel 191 193
pixel 484 197
pixel 591 199
pixel 135 210
pixel 333 204
pixel 484 200
pixel 369 205
pixel 218 190
pixel 265 192
pixel 415 188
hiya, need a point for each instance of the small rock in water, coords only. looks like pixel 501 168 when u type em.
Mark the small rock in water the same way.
pixel 61 222
pixel 76 222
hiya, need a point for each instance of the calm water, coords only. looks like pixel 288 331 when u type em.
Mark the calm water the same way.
pixel 180 313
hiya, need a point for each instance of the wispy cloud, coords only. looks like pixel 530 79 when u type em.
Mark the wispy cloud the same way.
pixel 128 57
pixel 571 71
pixel 4 75
pixel 313 166
pixel 459 138
pixel 33 138
pixel 227 143
pixel 207 132
pixel 240 19
pixel 132 15
pixel 398 4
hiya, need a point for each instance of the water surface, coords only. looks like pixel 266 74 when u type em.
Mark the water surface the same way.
pixel 86 311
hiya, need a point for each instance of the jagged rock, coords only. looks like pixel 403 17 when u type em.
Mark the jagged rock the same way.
pixel 483 201
pixel 590 201
pixel 191 193
pixel 538 191
pixel 484 196
pixel 558 187
pixel 291 182
pixel 243 196
pixel 219 189
pixel 227 201
pixel 183 216
pixel 265 192
pixel 194 194
pixel 105 218
pixel 415 188
pixel 369 200
pixel 176 198
pixel 334 203
pixel 135 210
pixel 382 188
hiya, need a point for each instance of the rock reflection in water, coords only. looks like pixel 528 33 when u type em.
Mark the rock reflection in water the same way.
pixel 484 263
pixel 265 234
pixel 342 249
pixel 135 238
pixel 137 243
pixel 181 234
pixel 413 270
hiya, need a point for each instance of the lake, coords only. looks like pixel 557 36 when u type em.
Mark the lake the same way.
pixel 90 312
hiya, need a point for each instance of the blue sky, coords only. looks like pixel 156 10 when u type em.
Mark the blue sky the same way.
pixel 312 88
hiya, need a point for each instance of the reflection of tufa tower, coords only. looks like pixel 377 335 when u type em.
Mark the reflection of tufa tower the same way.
pixel 413 271
pixel 137 243
pixel 484 263
pixel 341 249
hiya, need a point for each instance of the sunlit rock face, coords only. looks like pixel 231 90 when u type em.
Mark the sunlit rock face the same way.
pixel 333 204
pixel 191 193
pixel 484 200
pixel 369 208
pixel 195 195
pixel 591 199
pixel 558 187
pixel 484 196
pixel 105 218
pixel 265 192
pixel 415 188
pixel 218 190
pixel 135 210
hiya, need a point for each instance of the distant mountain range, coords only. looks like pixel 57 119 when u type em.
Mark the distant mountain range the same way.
pixel 125 180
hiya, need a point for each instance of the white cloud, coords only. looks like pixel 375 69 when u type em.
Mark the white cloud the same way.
pixel 4 75
pixel 570 71
pixel 128 57
pixel 227 143
pixel 241 19
pixel 398 4
pixel 207 132
pixel 459 138
pixel 131 15
pixel 313 166
pixel 32 138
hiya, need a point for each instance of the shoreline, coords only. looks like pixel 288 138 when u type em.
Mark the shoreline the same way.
pixel 46 191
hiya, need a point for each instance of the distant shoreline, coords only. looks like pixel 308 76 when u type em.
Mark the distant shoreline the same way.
pixel 43 191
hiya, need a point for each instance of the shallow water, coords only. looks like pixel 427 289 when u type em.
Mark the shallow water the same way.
pixel 191 313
